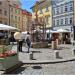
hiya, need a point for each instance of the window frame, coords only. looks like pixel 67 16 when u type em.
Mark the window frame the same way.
pixel 47 8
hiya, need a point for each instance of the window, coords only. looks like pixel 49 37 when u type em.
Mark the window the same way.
pixel 47 8
pixel 0 3
pixel 5 12
pixel 15 11
pixel 57 10
pixel 18 11
pixel 61 21
pixel 12 9
pixel 5 23
pixel 16 25
pixel 71 6
pixel 15 17
pixel 53 22
pixel 66 20
pixel 61 9
pixel 11 16
pixel 0 22
pixel 71 20
pixel 0 11
pixel 54 11
pixel 66 8
pixel 57 22
pixel 19 18
pixel 40 11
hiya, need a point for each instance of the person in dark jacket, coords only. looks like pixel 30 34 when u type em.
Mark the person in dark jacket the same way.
pixel 28 41
pixel 20 43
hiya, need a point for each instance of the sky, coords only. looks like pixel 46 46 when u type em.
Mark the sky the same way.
pixel 27 4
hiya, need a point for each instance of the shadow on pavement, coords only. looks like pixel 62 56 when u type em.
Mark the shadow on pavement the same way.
pixel 37 67
pixel 32 51
pixel 36 51
pixel 17 71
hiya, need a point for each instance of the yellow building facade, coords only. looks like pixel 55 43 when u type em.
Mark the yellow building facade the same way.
pixel 16 17
pixel 44 12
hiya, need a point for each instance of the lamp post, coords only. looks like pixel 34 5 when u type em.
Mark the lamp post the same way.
pixel 9 11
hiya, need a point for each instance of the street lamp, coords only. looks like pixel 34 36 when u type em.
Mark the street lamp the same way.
pixel 9 11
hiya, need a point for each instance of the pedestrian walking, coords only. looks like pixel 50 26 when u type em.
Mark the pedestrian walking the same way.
pixel 28 41
pixel 18 37
pixel 20 43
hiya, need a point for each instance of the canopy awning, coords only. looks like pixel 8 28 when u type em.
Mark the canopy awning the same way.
pixel 60 31
pixel 24 32
pixel 38 31
pixel 6 27
pixel 63 30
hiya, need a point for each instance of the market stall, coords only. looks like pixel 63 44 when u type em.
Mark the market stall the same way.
pixel 54 38
pixel 8 57
pixel 64 36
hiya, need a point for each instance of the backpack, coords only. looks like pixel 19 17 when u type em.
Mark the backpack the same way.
pixel 27 40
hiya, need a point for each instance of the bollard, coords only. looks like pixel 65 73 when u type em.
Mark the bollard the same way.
pixel 74 52
pixel 31 55
pixel 54 45
pixel 56 54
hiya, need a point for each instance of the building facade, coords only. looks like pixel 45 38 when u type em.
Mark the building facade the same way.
pixel 15 17
pixel 63 14
pixel 44 13
pixel 12 14
pixel 26 21
pixel 4 13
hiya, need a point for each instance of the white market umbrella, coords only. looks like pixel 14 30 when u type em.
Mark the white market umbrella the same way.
pixel 53 31
pixel 62 30
pixel 24 32
pixel 38 31
pixel 6 27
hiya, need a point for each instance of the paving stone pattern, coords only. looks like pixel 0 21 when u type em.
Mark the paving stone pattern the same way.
pixel 65 51
pixel 67 68
pixel 64 68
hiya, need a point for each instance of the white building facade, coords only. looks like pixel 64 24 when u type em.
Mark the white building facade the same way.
pixel 63 13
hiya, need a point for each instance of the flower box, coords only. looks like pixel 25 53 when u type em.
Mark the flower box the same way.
pixel 4 48
pixel 8 62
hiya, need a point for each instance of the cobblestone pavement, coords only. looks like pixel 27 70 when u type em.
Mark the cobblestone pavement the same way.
pixel 41 54
pixel 66 68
